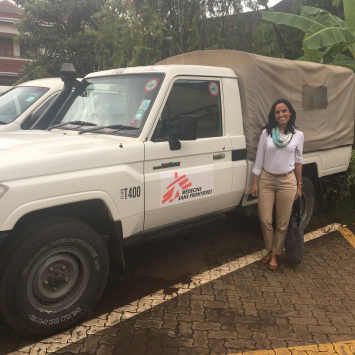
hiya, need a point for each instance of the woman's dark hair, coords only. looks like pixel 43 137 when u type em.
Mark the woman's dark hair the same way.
pixel 290 127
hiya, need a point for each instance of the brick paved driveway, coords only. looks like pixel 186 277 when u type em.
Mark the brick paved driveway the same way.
pixel 206 293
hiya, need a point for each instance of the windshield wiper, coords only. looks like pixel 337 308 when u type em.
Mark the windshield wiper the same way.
pixel 78 123
pixel 116 127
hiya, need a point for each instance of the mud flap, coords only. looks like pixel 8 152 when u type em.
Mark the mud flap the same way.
pixel 115 244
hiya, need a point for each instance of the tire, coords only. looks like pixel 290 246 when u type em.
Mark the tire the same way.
pixel 56 271
pixel 307 202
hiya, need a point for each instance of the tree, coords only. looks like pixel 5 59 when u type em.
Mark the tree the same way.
pixel 141 32
pixel 59 29
pixel 328 39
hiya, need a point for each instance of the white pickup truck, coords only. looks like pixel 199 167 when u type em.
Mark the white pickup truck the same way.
pixel 23 104
pixel 137 150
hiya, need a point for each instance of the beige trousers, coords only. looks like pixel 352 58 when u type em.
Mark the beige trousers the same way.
pixel 283 190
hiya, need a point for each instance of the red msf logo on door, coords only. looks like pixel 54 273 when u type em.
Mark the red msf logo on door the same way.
pixel 176 187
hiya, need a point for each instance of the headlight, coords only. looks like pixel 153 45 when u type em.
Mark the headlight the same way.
pixel 3 189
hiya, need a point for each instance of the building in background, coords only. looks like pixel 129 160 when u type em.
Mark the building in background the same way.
pixel 10 51
pixel 283 6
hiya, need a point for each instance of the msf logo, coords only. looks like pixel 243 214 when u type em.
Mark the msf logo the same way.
pixel 175 188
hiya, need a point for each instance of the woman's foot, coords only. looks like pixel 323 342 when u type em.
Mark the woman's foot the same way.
pixel 273 265
pixel 266 258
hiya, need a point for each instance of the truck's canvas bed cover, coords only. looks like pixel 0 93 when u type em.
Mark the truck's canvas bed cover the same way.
pixel 322 95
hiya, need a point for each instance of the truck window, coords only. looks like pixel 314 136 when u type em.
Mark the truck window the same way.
pixel 314 97
pixel 14 102
pixel 114 100
pixel 31 119
pixel 192 97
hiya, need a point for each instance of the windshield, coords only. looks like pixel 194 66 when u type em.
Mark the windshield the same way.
pixel 14 102
pixel 123 100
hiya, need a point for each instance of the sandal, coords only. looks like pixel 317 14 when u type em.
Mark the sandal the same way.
pixel 273 267
pixel 266 259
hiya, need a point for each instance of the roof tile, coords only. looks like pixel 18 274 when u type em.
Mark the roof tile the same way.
pixel 11 65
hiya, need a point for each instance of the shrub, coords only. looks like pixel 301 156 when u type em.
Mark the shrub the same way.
pixel 337 190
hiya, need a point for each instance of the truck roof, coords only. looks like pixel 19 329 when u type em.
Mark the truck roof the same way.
pixel 173 70
pixel 52 83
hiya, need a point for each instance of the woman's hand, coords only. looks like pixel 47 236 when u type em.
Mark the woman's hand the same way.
pixel 254 190
pixel 298 192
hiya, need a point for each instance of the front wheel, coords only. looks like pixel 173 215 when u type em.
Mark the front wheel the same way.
pixel 56 271
pixel 307 202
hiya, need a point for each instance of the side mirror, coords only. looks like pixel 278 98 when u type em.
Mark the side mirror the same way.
pixel 186 131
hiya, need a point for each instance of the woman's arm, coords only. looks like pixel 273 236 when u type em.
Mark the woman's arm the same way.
pixel 298 173
pixel 259 162
pixel 254 190
pixel 298 166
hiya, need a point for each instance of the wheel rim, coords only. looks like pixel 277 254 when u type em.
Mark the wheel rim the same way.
pixel 58 279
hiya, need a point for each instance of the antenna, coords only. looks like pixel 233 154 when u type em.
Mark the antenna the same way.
pixel 182 51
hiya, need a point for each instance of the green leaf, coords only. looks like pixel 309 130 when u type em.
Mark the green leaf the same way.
pixel 351 66
pixel 303 59
pixel 328 37
pixel 312 55
pixel 323 17
pixel 299 22
pixel 341 57
pixel 349 11
pixel 343 63
pixel 330 52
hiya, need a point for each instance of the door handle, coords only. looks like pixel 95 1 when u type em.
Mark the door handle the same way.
pixel 166 165
pixel 219 156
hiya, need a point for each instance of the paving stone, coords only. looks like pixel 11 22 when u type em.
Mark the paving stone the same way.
pixel 188 351
pixel 240 344
pixel 190 318
pixel 217 346
pixel 178 342
pixel 184 329
pixel 39 349
pixel 197 307
pixel 105 350
pixel 91 344
pixel 206 326
pixel 108 340
pixel 170 320
pixel 221 334
pixel 78 335
pixel 302 321
pixel 148 323
pixel 69 349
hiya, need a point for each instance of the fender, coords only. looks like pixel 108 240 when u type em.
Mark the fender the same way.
pixel 32 206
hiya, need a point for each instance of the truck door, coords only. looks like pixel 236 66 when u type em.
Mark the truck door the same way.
pixel 197 179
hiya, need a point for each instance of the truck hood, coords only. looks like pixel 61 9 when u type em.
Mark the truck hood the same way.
pixel 37 153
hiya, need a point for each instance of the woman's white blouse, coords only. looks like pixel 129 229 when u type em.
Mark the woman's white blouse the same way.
pixel 278 160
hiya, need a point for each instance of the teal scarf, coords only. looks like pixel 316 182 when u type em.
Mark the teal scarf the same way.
pixel 280 141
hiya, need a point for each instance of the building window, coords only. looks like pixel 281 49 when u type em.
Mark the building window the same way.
pixel 6 47
pixel 25 49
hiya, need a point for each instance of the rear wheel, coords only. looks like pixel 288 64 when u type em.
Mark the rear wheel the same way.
pixel 307 201
pixel 56 271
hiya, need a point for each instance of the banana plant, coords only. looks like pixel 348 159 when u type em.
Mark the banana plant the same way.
pixel 328 39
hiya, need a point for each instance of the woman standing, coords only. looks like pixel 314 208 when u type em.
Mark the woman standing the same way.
pixel 279 164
